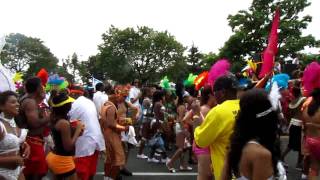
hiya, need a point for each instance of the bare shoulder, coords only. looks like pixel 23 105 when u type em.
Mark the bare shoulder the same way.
pixel 204 110
pixel 62 124
pixel 29 102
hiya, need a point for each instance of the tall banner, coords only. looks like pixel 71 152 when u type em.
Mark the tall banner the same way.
pixel 271 50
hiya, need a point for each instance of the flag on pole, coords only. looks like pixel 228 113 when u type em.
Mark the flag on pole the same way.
pixel 271 50
pixel 95 82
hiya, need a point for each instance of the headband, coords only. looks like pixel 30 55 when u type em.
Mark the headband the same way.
pixel 264 113
pixel 69 100
pixel 75 91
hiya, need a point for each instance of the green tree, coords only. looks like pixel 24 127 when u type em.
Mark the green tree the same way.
pixel 209 59
pixel 64 73
pixel 137 53
pixel 306 59
pixel 27 55
pixel 72 65
pixel 90 68
pixel 251 29
pixel 194 60
pixel 179 70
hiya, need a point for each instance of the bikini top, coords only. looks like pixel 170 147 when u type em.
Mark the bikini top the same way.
pixel 9 143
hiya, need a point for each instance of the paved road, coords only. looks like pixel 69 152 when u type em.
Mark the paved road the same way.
pixel 143 170
pixel 150 171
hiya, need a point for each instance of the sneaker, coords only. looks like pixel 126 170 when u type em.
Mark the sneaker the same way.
pixel 188 168
pixel 154 160
pixel 298 168
pixel 142 156
pixel 125 172
pixel 165 160
pixel 157 154
pixel 304 177
pixel 159 151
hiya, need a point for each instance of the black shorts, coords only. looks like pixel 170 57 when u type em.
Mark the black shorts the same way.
pixel 295 138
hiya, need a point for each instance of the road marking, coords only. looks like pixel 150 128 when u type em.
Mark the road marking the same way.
pixel 157 174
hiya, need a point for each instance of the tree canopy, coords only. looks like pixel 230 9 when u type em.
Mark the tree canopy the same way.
pixel 27 55
pixel 251 28
pixel 194 60
pixel 137 53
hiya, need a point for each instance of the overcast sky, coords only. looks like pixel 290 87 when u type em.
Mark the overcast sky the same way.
pixel 68 26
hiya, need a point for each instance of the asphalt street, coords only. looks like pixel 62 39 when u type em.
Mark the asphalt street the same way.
pixel 143 170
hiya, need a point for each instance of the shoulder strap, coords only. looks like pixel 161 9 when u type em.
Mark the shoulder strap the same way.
pixel 253 142
pixel 2 127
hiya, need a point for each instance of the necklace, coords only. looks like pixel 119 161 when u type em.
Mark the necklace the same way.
pixel 11 122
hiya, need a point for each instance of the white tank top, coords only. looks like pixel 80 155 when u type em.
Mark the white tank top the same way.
pixel 10 143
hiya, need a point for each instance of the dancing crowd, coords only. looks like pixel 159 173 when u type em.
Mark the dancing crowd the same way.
pixel 229 130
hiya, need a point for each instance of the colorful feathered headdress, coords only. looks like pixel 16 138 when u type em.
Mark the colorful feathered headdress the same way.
pixel 311 78
pixel 220 68
pixel 56 82
pixel 250 68
pixel 190 80
pixel 43 75
pixel 17 79
pixel 282 81
pixel 122 90
pixel 201 80
pixel 166 84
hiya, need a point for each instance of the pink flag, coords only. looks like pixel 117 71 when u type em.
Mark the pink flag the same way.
pixel 270 52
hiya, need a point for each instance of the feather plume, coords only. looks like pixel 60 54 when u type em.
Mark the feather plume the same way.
pixel 282 81
pixel 43 75
pixel 201 80
pixel 220 68
pixel 17 77
pixel 311 78
pixel 190 80
pixel 275 96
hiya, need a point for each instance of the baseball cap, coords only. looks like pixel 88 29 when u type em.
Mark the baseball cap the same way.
pixel 226 82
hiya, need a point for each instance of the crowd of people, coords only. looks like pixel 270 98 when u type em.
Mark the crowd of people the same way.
pixel 230 131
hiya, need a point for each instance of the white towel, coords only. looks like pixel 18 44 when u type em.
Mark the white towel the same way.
pixel 129 136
